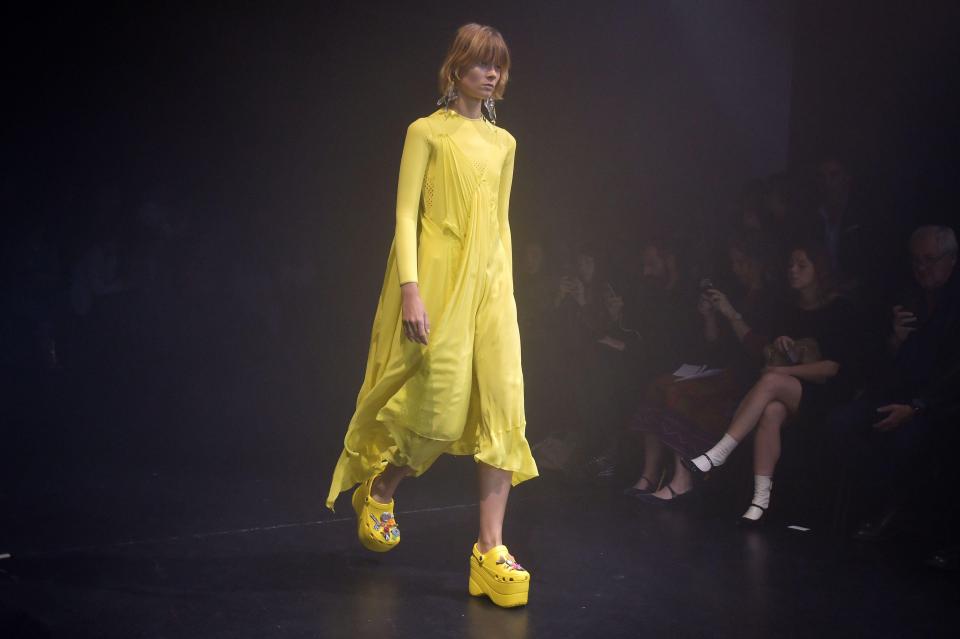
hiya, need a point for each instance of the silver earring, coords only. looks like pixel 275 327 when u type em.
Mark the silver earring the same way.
pixel 449 97
pixel 491 111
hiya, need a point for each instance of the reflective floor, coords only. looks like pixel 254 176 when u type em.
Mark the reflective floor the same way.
pixel 209 557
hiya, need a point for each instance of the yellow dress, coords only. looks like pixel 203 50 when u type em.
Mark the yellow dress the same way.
pixel 462 393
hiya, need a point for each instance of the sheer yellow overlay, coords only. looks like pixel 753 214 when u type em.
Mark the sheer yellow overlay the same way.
pixel 462 393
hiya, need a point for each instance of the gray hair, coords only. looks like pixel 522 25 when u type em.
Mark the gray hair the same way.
pixel 946 238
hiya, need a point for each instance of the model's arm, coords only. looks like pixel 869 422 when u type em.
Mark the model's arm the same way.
pixel 503 205
pixel 413 166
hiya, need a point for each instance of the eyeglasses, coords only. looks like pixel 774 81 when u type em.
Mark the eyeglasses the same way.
pixel 925 261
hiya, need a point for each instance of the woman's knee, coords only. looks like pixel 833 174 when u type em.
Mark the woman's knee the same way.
pixel 770 381
pixel 774 414
pixel 785 388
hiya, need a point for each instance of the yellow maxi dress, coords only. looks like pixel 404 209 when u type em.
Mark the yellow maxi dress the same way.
pixel 462 393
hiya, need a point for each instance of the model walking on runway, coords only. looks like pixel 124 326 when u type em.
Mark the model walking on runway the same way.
pixel 443 372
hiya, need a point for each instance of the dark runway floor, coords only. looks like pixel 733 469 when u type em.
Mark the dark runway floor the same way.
pixel 209 557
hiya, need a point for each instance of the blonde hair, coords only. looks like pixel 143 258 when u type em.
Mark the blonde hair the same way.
pixel 473 44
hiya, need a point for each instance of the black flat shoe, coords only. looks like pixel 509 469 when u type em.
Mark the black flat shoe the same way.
pixel 675 497
pixel 633 491
pixel 743 522
pixel 695 472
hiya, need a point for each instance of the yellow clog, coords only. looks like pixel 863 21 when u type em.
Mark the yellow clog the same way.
pixel 376 526
pixel 497 575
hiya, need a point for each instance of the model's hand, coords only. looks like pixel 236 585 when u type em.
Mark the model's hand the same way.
pixel 416 325
pixel 897 414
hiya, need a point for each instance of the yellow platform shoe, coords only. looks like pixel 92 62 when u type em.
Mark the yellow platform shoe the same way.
pixel 376 526
pixel 497 575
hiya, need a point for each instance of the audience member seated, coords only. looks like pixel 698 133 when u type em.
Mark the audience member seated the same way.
pixel 687 416
pixel 811 367
pixel 851 226
pixel 617 359
pixel 582 318
pixel 889 435
pixel 664 315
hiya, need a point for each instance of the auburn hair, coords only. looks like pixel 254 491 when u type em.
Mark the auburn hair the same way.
pixel 816 252
pixel 474 44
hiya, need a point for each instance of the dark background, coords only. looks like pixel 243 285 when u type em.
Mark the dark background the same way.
pixel 244 158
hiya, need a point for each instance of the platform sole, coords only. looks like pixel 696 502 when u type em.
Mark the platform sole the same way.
pixel 504 594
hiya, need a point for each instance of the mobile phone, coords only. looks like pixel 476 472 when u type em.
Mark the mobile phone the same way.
pixel 706 283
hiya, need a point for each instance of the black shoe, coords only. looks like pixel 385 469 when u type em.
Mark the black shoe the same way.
pixel 743 522
pixel 697 474
pixel 632 491
pixel 675 497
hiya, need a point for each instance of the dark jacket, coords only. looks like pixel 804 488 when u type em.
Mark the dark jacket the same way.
pixel 927 365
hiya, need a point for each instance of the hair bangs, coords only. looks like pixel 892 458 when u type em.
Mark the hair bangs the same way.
pixel 475 44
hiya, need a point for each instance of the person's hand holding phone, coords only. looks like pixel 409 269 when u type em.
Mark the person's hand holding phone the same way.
pixel 721 303
pixel 903 323
pixel 705 305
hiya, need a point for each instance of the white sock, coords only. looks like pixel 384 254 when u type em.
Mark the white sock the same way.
pixel 716 455
pixel 762 487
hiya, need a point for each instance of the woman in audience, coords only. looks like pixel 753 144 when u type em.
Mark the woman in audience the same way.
pixel 811 368
pixel 688 416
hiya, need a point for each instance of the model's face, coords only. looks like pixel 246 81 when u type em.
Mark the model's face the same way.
pixel 479 80
pixel 800 271
pixel 931 266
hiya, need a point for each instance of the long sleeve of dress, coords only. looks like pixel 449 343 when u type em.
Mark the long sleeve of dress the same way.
pixel 413 165
pixel 503 205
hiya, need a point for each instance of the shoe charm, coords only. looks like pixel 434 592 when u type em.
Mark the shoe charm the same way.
pixel 386 526
pixel 510 562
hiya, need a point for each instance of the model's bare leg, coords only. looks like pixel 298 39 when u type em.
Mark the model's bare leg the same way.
pixel 501 578
pixel 386 484
pixel 494 490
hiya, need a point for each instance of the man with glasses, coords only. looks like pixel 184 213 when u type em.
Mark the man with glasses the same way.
pixel 890 435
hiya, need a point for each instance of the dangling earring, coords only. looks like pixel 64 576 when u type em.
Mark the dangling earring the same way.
pixel 449 97
pixel 491 111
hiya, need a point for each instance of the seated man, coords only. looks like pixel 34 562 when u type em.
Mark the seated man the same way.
pixel 889 435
